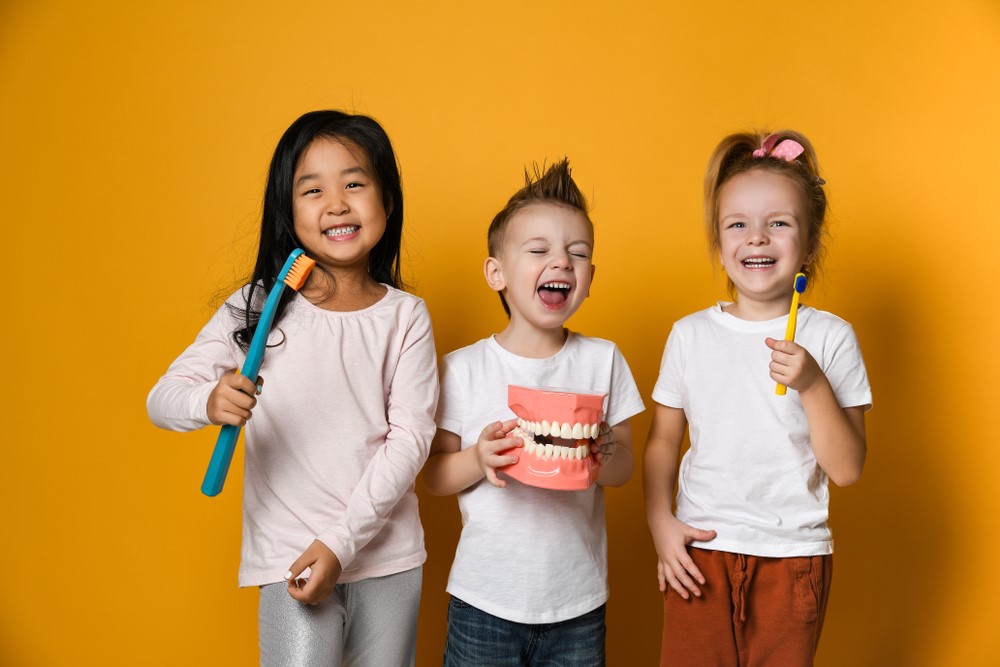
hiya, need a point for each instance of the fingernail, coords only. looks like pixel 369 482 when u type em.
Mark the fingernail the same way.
pixel 288 575
pixel 260 388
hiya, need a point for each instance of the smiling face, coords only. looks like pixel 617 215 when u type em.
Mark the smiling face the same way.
pixel 544 269
pixel 337 206
pixel 764 241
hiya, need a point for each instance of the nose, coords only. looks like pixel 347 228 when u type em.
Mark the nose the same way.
pixel 337 205
pixel 560 260
pixel 757 235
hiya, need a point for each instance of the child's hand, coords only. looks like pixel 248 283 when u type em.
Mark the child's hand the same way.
pixel 675 567
pixel 604 445
pixel 792 365
pixel 325 571
pixel 232 399
pixel 496 438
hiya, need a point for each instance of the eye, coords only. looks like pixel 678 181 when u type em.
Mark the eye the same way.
pixel 780 223
pixel 311 191
pixel 355 185
pixel 737 225
pixel 580 255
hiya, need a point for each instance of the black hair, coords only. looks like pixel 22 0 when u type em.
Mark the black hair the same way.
pixel 277 225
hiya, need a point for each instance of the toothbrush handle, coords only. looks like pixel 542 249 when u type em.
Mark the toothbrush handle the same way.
pixel 222 456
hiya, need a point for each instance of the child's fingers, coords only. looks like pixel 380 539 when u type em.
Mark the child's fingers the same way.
pixel 494 479
pixel 296 569
pixel 661 578
pixel 670 575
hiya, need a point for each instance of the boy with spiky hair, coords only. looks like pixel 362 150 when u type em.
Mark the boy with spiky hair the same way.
pixel 529 580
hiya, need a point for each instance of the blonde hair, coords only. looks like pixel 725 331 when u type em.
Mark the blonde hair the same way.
pixel 735 155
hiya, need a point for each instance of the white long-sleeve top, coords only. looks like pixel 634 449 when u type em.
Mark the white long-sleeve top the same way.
pixel 339 433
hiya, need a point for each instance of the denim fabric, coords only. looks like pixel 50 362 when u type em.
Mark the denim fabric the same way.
pixel 478 639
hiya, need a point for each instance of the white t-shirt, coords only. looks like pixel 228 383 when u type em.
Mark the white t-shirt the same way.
pixel 340 431
pixel 750 473
pixel 527 554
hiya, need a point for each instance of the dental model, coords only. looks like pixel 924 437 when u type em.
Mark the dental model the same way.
pixel 558 428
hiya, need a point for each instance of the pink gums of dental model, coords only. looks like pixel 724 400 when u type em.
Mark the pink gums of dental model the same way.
pixel 558 428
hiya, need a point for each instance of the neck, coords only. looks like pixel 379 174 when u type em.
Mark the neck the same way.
pixel 758 311
pixel 528 341
pixel 342 290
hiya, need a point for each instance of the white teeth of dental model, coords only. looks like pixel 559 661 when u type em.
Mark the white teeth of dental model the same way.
pixel 595 431
pixel 586 430
pixel 567 431
pixel 548 450
pixel 577 430
pixel 545 427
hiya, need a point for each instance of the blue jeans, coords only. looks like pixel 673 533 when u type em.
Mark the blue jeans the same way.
pixel 478 639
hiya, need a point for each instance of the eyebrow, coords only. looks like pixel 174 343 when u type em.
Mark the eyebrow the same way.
pixel 345 172
pixel 542 239
pixel 772 214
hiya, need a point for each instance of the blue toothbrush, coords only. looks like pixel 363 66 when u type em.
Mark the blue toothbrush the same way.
pixel 293 274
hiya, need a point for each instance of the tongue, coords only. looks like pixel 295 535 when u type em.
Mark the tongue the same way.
pixel 552 297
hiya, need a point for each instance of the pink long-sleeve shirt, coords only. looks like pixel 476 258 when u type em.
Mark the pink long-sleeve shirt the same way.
pixel 341 430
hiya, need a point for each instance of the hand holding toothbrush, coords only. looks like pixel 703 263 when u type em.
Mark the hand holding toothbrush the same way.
pixel 233 399
pixel 792 365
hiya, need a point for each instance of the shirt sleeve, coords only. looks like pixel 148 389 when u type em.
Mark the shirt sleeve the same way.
pixel 179 399
pixel 667 390
pixel 624 400
pixel 450 408
pixel 410 405
pixel 845 369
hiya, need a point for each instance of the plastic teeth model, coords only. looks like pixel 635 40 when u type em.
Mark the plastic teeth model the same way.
pixel 558 428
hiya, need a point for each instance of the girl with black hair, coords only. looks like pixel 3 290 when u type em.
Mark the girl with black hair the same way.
pixel 331 533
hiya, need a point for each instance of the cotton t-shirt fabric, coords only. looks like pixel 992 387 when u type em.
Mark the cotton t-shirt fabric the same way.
pixel 526 554
pixel 750 473
pixel 340 431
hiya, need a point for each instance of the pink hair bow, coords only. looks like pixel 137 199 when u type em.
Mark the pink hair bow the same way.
pixel 787 150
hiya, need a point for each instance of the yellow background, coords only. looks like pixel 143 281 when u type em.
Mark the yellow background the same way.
pixel 135 138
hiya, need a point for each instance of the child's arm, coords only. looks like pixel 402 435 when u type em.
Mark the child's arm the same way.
pixel 451 469
pixel 614 449
pixel 837 434
pixel 670 536
pixel 200 386
pixel 390 472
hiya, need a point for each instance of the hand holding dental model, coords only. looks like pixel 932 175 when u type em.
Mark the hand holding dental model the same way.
pixel 494 449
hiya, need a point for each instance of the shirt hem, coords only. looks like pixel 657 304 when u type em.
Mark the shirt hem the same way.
pixel 563 613
pixel 395 566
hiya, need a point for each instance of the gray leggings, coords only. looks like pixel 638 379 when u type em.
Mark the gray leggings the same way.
pixel 369 623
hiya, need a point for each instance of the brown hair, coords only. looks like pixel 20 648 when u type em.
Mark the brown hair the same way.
pixel 552 185
pixel 735 155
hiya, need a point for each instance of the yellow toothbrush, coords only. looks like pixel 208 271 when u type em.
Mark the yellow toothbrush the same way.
pixel 798 288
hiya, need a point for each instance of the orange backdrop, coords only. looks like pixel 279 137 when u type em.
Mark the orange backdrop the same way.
pixel 135 139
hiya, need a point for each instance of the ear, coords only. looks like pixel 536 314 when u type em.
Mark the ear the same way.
pixel 389 206
pixel 494 274
pixel 593 272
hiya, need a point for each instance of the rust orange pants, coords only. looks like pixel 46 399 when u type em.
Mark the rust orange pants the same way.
pixel 753 611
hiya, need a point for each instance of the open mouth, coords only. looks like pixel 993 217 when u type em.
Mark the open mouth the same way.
pixel 558 428
pixel 554 294
pixel 758 262
pixel 339 232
